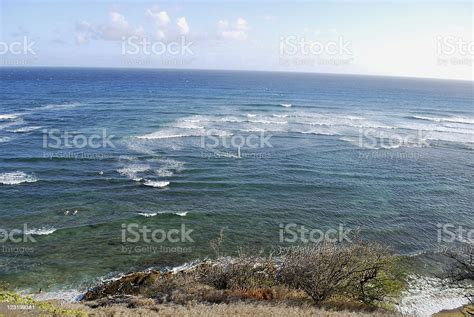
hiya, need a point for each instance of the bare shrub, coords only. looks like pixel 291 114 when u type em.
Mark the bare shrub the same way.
pixel 461 268
pixel 216 244
pixel 239 273
pixel 359 271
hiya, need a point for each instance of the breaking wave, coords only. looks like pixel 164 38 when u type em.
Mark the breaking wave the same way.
pixel 15 178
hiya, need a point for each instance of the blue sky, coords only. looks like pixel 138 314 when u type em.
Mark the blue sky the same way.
pixel 405 38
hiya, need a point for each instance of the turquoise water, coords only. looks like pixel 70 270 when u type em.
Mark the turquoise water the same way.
pixel 332 157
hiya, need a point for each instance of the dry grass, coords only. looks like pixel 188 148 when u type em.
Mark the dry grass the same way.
pixel 223 310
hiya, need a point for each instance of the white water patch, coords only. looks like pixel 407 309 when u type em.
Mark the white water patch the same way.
pixel 168 167
pixel 162 172
pixel 170 134
pixel 153 214
pixel 397 131
pixel 41 231
pixel 25 129
pixel 426 296
pixel 286 105
pixel 177 132
pixel 179 213
pixel 464 120
pixel 188 124
pixel 169 164
pixel 15 178
pixel 318 132
pixel 268 121
pixel 145 214
pixel 62 106
pixel 4 139
pixel 131 171
pixel 127 158
pixel 69 296
pixel 9 124
pixel 9 116
pixel 136 145
pixel 156 184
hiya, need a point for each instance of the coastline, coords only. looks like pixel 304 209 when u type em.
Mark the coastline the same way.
pixel 424 296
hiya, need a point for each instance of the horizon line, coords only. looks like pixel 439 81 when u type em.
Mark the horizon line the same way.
pixel 242 70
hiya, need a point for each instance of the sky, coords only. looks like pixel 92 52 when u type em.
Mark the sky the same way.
pixel 389 38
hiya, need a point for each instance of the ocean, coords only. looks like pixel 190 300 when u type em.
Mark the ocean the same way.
pixel 106 171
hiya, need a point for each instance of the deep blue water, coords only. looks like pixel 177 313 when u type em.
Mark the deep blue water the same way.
pixel 318 171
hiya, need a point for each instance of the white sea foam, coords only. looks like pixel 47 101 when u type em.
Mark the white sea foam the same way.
pixel 131 171
pixel 145 214
pixel 464 120
pixel 318 132
pixel 8 124
pixel 171 133
pixel 162 172
pixel 179 213
pixel 15 178
pixel 60 106
pixel 268 121
pixel 317 123
pixel 137 145
pixel 169 164
pixel 168 167
pixel 9 116
pixel 127 158
pixel 40 231
pixel 286 105
pixel 4 139
pixel 157 184
pixel 66 295
pixel 153 214
pixel 426 296
pixel 26 129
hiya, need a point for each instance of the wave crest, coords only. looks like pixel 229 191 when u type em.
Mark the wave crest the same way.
pixel 15 178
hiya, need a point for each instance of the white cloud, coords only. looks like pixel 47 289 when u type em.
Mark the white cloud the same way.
pixel 223 24
pixel 118 27
pixel 160 35
pixel 183 25
pixel 84 32
pixel 237 31
pixel 160 18
pixel 82 39
pixel 241 24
